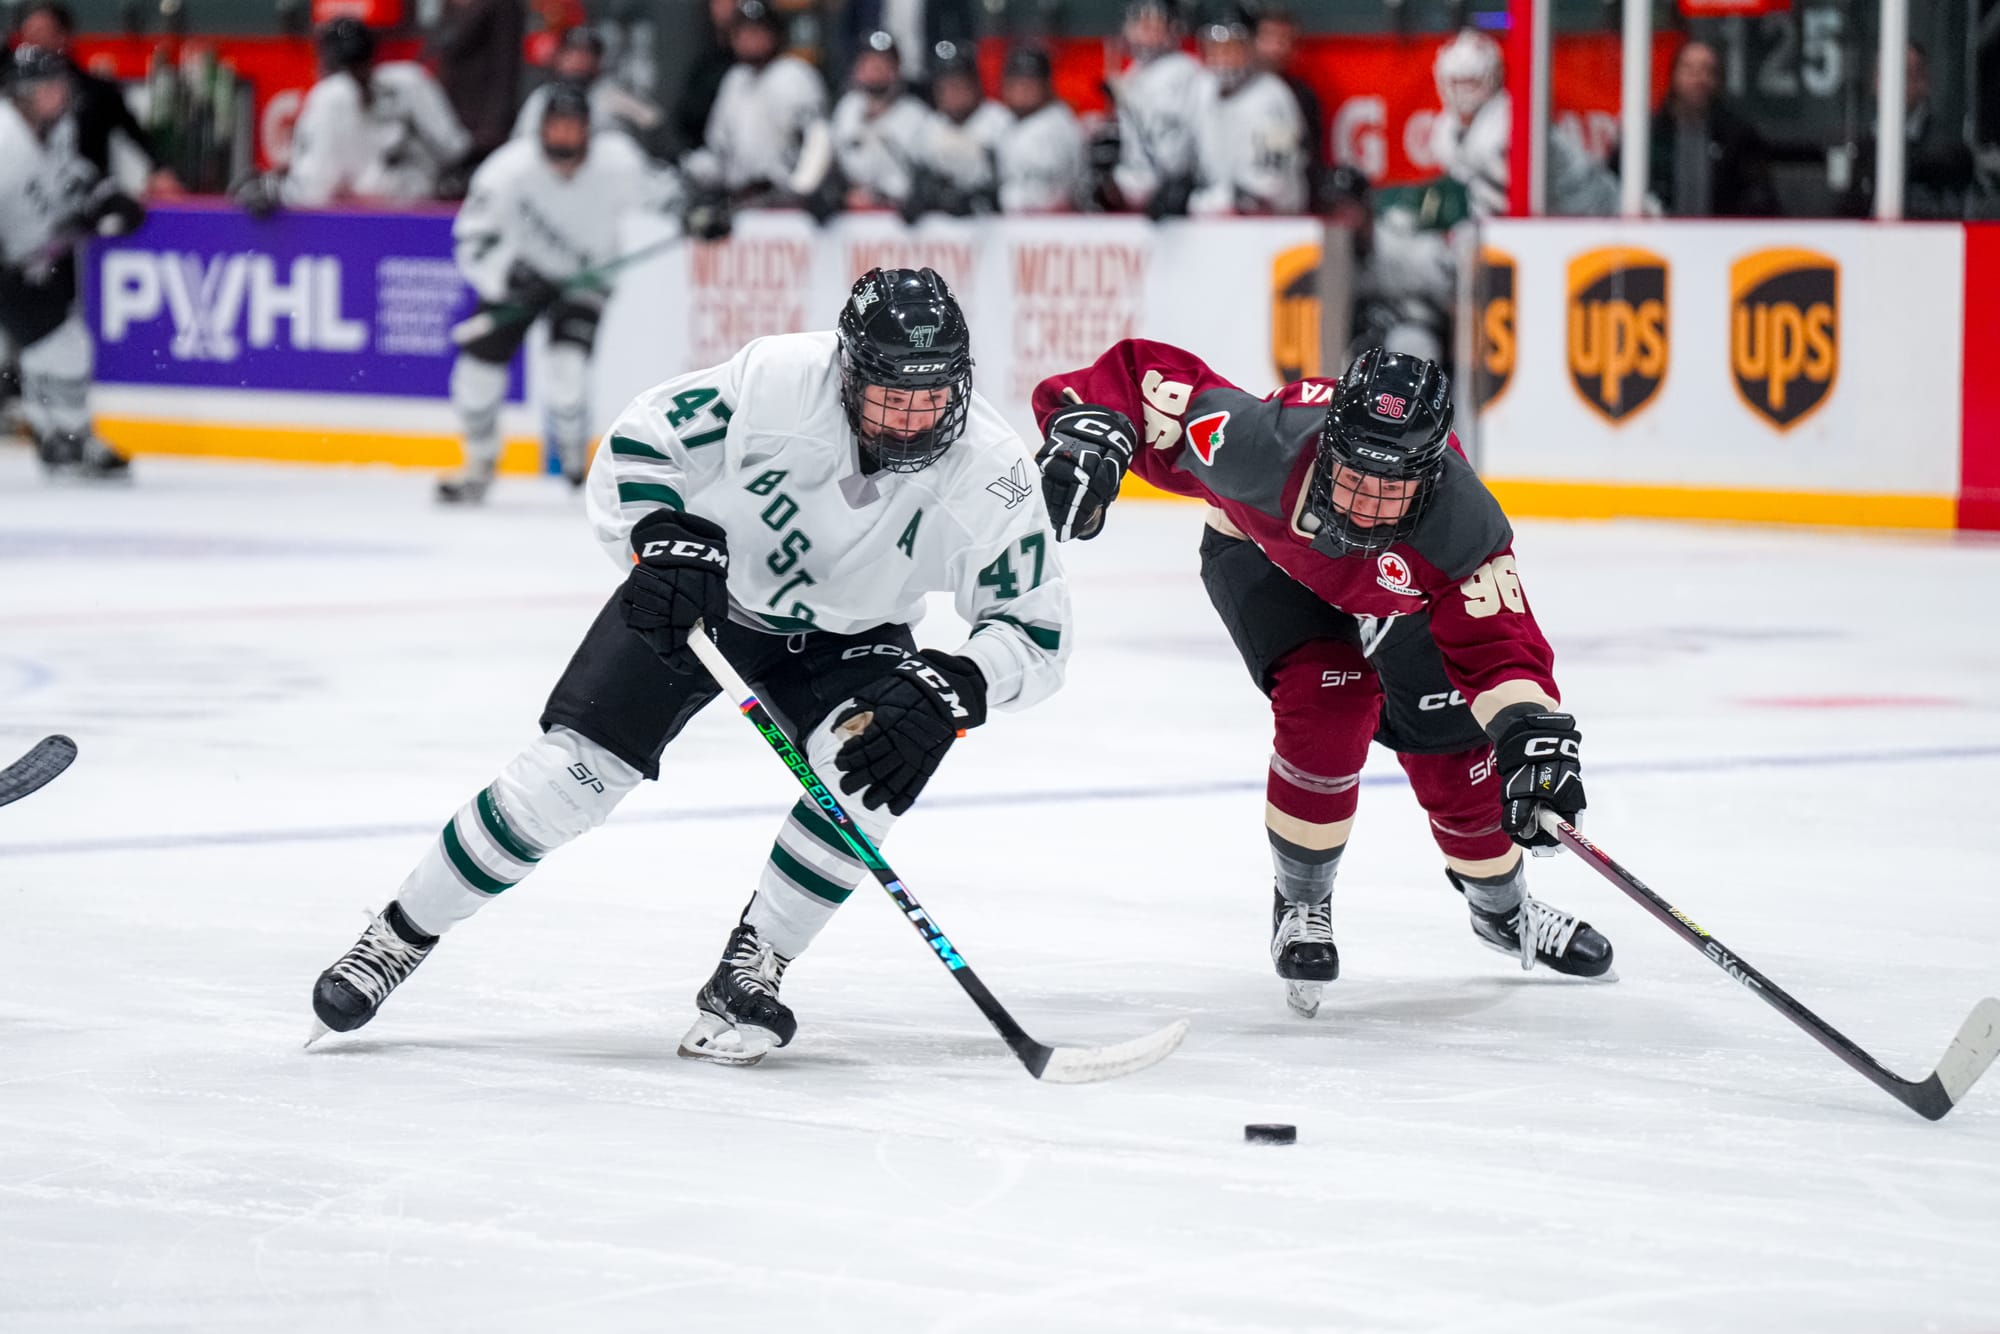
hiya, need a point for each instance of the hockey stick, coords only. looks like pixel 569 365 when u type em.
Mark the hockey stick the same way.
pixel 44 760
pixel 481 323
pixel 1971 1051
pixel 1054 1065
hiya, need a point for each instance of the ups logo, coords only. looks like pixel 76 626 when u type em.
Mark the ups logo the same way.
pixel 1493 297
pixel 1784 332
pixel 1618 329
pixel 1295 313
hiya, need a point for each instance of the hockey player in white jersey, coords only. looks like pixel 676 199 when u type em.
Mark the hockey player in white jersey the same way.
pixel 767 137
pixel 955 168
pixel 1158 97
pixel 51 200
pixel 1040 157
pixel 541 215
pixel 579 63
pixel 1475 126
pixel 800 501
pixel 878 128
pixel 1249 132
pixel 367 131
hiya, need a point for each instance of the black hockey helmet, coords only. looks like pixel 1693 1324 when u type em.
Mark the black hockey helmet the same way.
pixel 1028 62
pixel 902 330
pixel 345 44
pixel 1390 421
pixel 566 101
pixel 31 68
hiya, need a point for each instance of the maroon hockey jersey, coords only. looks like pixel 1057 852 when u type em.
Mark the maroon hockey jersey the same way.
pixel 1249 458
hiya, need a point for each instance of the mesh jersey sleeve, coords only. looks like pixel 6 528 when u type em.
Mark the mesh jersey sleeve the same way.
pixel 479 242
pixel 324 141
pixel 670 443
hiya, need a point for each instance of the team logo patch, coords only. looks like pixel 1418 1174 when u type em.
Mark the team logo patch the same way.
pixel 865 298
pixel 1205 435
pixel 1493 294
pixel 1618 329
pixel 1784 332
pixel 1393 573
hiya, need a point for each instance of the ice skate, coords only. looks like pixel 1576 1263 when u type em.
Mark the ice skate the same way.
pixel 1538 933
pixel 741 1018
pixel 465 487
pixel 349 993
pixel 1302 949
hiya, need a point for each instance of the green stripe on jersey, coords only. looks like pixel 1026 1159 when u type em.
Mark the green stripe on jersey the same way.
pixel 468 868
pixel 1041 635
pixel 813 822
pixel 705 438
pixel 806 878
pixel 636 449
pixel 641 493
pixel 495 821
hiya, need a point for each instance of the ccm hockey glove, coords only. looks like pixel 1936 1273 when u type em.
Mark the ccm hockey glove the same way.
pixel 1536 756
pixel 905 722
pixel 682 576
pixel 1085 452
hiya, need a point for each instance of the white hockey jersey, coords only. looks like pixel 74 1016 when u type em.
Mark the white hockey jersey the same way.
pixel 759 124
pixel 963 152
pixel 1158 101
pixel 1041 161
pixel 1475 154
pixel 393 145
pixel 877 153
pixel 518 208
pixel 761 445
pixel 1251 144
pixel 42 184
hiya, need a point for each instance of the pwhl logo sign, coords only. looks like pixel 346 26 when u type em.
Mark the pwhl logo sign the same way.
pixel 220 303
pixel 1618 329
pixel 1493 295
pixel 1784 332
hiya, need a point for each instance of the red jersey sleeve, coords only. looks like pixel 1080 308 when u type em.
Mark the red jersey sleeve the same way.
pixel 1493 650
pixel 1151 383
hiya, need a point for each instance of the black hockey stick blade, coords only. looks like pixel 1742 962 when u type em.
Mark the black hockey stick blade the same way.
pixel 48 757
pixel 1970 1053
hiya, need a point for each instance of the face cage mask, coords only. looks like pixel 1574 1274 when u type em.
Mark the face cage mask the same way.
pixel 888 451
pixel 1349 534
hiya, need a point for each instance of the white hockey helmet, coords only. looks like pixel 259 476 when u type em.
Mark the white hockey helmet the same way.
pixel 1469 70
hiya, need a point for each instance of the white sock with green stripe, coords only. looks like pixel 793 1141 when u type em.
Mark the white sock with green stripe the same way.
pixel 556 789
pixel 810 873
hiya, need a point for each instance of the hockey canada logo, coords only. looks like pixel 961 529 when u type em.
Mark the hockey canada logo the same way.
pixel 922 334
pixel 1493 296
pixel 1393 573
pixel 1295 313
pixel 1618 329
pixel 1205 435
pixel 1784 332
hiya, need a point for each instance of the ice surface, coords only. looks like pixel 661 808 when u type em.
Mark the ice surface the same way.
pixel 283 682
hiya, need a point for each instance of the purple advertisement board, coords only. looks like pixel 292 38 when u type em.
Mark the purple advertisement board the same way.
pixel 328 303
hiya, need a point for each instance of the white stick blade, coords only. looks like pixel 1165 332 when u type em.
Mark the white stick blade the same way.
pixel 1088 1065
pixel 1977 1043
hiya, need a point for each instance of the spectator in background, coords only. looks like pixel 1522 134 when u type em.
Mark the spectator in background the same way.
pixel 98 104
pixel 689 119
pixel 579 63
pixel 1276 35
pixel 1405 279
pixel 477 46
pixel 767 138
pixel 876 128
pixel 918 28
pixel 955 159
pixel 1474 129
pixel 383 133
pixel 1040 158
pixel 1706 161
pixel 1250 135
pixel 1938 168
pixel 1157 97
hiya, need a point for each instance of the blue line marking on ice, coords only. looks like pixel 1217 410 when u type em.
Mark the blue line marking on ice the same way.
pixel 239 838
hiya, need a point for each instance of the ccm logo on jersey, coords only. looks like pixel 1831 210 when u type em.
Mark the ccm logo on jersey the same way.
pixel 933 678
pixel 1205 435
pixel 1443 699
pixel 1393 573
pixel 681 546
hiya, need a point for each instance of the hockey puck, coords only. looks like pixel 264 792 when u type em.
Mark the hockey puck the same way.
pixel 1270 1134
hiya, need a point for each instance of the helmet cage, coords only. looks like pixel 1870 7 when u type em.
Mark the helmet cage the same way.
pixel 901 329
pixel 1390 419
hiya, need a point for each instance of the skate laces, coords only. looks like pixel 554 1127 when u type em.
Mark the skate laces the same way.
pixel 1310 922
pixel 379 961
pixel 755 965
pixel 1543 929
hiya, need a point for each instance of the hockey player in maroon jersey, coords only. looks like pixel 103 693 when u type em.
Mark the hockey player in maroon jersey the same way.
pixel 1367 577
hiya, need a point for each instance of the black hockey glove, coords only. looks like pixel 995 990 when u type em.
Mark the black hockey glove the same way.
pixel 116 214
pixel 908 720
pixel 1537 759
pixel 1085 452
pixel 682 577
pixel 529 289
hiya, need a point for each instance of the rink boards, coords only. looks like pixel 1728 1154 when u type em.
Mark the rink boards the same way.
pixel 1779 372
